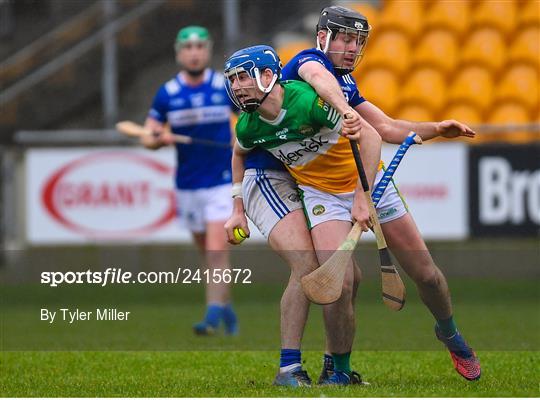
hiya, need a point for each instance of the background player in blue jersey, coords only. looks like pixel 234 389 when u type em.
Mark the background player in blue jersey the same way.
pixel 341 39
pixel 195 103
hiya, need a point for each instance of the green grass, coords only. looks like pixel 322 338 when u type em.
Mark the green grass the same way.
pixel 493 315
pixel 250 373
pixel 396 352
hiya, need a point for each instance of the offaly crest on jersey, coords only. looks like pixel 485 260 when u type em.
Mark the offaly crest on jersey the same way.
pixel 197 99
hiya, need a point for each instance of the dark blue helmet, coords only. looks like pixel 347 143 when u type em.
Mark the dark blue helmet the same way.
pixel 253 61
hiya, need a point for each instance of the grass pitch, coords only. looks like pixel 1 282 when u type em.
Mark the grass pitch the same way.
pixel 250 374
pixel 396 352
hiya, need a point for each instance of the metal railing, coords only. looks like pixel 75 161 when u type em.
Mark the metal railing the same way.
pixel 77 51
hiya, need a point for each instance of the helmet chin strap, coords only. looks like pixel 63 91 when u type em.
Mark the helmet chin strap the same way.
pixel 263 89
pixel 251 105
pixel 327 42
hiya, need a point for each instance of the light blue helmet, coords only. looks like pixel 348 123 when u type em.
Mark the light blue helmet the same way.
pixel 252 60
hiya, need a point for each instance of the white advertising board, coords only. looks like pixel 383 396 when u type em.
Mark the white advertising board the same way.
pixel 107 194
pixel 82 195
pixel 433 180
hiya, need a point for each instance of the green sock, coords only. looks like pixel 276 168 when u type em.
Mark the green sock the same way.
pixel 447 326
pixel 342 362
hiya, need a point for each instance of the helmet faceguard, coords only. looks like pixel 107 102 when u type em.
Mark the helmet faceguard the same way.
pixel 252 61
pixel 334 20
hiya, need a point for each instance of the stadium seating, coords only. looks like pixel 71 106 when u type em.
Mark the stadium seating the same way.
pixel 474 86
pixel 498 14
pixel 471 60
pixel 454 16
pixel 405 16
pixel 462 112
pixel 425 87
pixel 512 113
pixel 389 49
pixel 485 47
pixel 526 47
pixel 291 49
pixel 414 113
pixel 438 49
pixel 520 84
pixel 381 87
pixel 529 14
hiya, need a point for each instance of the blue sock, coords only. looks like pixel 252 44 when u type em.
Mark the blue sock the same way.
pixel 447 326
pixel 229 317
pixel 328 362
pixel 289 357
pixel 213 314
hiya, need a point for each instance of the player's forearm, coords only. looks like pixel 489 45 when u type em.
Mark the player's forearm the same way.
pixel 401 128
pixel 238 169
pixel 238 206
pixel 370 152
pixel 395 130
pixel 237 164
pixel 326 86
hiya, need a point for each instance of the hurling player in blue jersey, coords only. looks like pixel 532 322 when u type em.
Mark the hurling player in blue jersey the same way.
pixel 195 103
pixel 341 39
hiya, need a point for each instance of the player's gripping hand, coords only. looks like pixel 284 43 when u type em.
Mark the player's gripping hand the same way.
pixel 452 129
pixel 360 211
pixel 352 124
pixel 237 220
pixel 166 138
pixel 159 138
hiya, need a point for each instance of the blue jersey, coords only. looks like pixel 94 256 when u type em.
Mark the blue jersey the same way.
pixel 202 112
pixel 347 82
pixel 259 158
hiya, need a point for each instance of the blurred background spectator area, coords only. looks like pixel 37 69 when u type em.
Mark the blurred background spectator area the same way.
pixel 477 61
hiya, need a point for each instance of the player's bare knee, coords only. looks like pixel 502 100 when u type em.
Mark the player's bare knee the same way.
pixel 430 279
pixel 348 286
pixel 357 275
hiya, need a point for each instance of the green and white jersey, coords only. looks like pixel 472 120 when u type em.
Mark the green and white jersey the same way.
pixel 305 137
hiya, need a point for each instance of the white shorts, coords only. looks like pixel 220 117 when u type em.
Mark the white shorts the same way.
pixel 197 207
pixel 320 206
pixel 269 195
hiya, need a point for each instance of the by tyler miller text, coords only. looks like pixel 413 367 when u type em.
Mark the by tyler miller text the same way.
pixel 74 315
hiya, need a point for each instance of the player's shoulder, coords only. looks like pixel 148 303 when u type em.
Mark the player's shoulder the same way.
pixel 298 91
pixel 297 86
pixel 245 120
pixel 172 87
pixel 312 54
pixel 217 80
pixel 349 79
